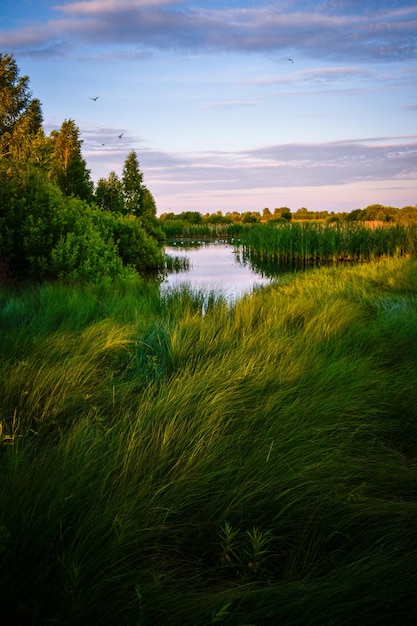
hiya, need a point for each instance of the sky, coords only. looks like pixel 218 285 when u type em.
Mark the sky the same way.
pixel 232 105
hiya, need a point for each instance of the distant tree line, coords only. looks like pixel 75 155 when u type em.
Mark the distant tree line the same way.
pixel 54 224
pixel 372 213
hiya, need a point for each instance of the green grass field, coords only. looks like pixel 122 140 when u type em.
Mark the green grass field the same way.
pixel 253 464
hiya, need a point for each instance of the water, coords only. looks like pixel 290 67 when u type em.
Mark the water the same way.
pixel 214 266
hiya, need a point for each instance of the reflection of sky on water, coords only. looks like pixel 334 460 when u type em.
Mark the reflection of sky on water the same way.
pixel 213 266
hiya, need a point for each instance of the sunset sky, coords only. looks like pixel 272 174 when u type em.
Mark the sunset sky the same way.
pixel 232 104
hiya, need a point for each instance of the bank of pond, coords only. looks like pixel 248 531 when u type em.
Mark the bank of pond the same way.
pixel 168 458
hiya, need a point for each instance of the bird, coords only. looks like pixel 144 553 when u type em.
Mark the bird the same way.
pixel 96 98
pixel 291 60
pixel 120 136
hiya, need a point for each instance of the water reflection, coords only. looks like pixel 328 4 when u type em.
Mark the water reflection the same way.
pixel 215 266
pixel 272 269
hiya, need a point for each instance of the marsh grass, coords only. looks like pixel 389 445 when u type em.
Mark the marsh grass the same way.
pixel 306 244
pixel 179 229
pixel 169 463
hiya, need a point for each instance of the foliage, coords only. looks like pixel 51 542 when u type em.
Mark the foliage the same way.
pixel 85 251
pixel 49 226
pixel 135 247
pixel 109 193
pixel 68 168
pixel 27 227
pixel 148 208
pixel 191 217
pixel 20 114
pixel 132 183
pixel 252 464
pixel 309 243
pixel 43 234
pixel 376 214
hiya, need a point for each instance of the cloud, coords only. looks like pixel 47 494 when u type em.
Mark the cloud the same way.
pixel 366 160
pixel 331 32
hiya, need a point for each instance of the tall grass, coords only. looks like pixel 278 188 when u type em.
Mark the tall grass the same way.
pixel 252 464
pixel 317 244
pixel 174 229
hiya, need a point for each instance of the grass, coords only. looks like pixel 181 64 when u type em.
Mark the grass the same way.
pixel 318 244
pixel 250 464
pixel 175 229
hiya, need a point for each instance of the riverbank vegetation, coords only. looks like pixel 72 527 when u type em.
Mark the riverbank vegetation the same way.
pixel 371 216
pixel 54 224
pixel 316 244
pixel 255 464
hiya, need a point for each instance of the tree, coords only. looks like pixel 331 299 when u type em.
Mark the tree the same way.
pixel 109 193
pixel 28 144
pixel 132 182
pixel 148 204
pixel 302 214
pixel 283 213
pixel 28 230
pixel 20 114
pixel 68 168
pixel 266 214
pixel 407 215
pixel 251 217
pixel 356 215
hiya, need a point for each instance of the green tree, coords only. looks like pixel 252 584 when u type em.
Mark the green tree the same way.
pixel 251 217
pixel 109 193
pixel 148 204
pixel 20 114
pixel 356 215
pixel 407 215
pixel 132 181
pixel 68 168
pixel 266 214
pixel 380 213
pixel 29 144
pixel 302 214
pixel 29 204
pixel 283 213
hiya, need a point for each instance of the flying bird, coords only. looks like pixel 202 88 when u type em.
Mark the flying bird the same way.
pixel 120 136
pixel 291 60
pixel 96 98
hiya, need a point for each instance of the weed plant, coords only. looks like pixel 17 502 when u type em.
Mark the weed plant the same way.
pixel 175 229
pixel 318 244
pixel 254 463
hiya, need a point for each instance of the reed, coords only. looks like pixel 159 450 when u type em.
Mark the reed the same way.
pixel 175 229
pixel 318 244
pixel 245 463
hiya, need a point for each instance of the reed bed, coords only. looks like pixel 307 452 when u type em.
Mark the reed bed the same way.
pixel 319 244
pixel 175 229
pixel 165 462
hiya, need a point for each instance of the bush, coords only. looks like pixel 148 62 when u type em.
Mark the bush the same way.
pixel 45 235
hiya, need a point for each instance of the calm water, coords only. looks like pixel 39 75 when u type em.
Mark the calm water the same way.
pixel 214 266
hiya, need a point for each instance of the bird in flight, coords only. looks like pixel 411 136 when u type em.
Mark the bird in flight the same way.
pixel 96 98
pixel 120 136
pixel 291 60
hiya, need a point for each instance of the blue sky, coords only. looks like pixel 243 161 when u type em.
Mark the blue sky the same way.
pixel 219 116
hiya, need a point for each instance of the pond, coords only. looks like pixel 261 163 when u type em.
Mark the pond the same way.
pixel 214 266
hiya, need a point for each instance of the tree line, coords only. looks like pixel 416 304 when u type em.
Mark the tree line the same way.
pixel 372 213
pixel 54 222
